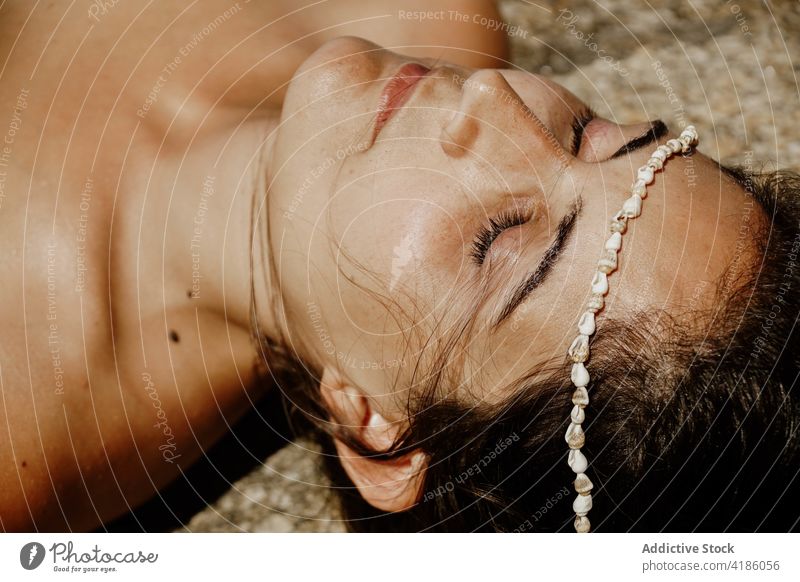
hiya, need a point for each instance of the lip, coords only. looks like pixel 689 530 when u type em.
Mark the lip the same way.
pixel 396 93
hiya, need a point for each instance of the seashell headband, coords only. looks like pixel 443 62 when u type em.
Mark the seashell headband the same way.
pixel 579 350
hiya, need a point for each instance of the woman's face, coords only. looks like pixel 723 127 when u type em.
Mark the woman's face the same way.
pixel 384 175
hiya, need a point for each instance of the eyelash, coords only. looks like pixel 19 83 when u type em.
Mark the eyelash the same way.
pixel 578 125
pixel 488 232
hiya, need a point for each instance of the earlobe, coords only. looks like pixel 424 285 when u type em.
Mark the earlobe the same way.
pixel 390 485
pixel 394 485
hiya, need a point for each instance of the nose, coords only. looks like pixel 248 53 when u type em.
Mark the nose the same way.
pixel 493 122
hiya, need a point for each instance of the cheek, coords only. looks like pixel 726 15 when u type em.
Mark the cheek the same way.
pixel 400 265
pixel 412 246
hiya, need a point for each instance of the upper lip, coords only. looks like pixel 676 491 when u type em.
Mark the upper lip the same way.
pixel 397 91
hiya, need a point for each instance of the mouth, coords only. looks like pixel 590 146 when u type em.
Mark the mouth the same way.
pixel 396 92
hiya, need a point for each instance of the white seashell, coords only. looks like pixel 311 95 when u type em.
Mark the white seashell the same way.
pixel 595 303
pixel 575 436
pixel 614 242
pixel 580 397
pixel 616 225
pixel 632 206
pixel 666 149
pixel 582 504
pixel 639 188
pixel 654 163
pixel 579 350
pixel 580 375
pixel 659 154
pixel 646 174
pixel 686 143
pixel 582 483
pixel 600 283
pixel 690 133
pixel 576 461
pixel 577 415
pixel 608 262
pixel 582 524
pixel 586 324
pixel 674 145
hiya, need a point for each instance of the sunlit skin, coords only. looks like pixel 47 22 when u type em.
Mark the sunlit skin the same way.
pixel 466 145
pixel 373 249
pixel 79 445
pixel 374 253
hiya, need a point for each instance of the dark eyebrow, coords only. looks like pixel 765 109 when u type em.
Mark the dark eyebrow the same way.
pixel 658 129
pixel 565 227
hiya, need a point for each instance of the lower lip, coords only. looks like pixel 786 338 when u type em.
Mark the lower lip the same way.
pixel 396 92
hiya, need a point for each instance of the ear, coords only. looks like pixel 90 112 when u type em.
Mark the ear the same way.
pixel 393 485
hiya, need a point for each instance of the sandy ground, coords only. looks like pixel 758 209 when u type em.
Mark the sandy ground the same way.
pixel 726 67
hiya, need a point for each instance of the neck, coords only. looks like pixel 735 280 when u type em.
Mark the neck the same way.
pixel 235 266
pixel 265 305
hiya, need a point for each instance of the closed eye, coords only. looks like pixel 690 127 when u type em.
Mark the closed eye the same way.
pixel 488 232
